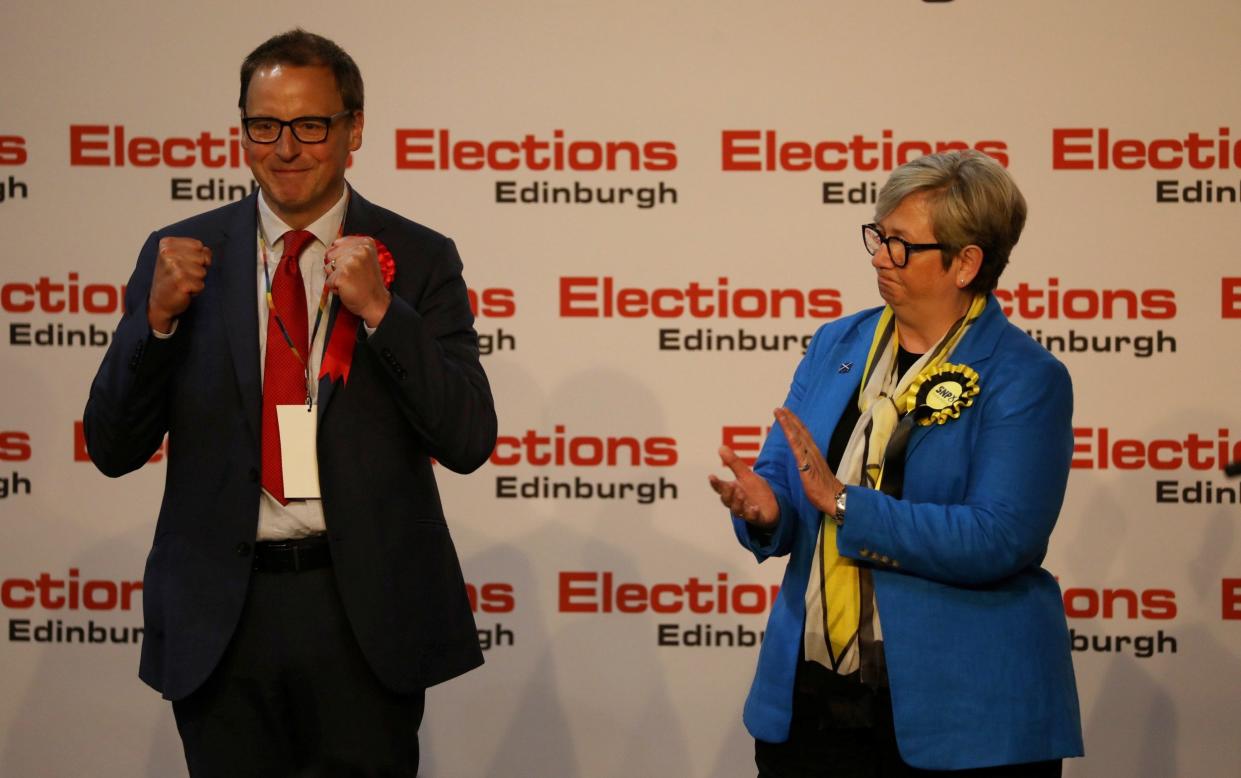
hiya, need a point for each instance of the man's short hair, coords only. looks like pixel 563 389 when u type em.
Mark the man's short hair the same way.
pixel 301 49
pixel 973 200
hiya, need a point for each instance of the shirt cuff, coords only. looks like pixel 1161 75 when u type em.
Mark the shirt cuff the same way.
pixel 166 335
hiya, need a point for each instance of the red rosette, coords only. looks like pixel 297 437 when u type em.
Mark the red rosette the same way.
pixel 338 356
pixel 387 265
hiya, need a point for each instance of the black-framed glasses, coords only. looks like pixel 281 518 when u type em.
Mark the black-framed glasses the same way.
pixel 306 129
pixel 898 248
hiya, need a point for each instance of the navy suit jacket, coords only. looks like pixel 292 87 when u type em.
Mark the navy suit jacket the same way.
pixel 974 631
pixel 416 391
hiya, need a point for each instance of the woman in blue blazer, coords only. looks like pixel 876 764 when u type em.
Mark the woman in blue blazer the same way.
pixel 915 629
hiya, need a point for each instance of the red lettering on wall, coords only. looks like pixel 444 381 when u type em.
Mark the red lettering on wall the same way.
pixel 1096 449
pixel 599 592
pixel 68 593
pixel 14 447
pixel 1153 604
pixel 70 296
pixel 1084 148
pixel 1230 595
pixel 437 149
pixel 559 448
pixel 764 150
pixel 745 441
pixel 12 150
pixel 1230 298
pixel 601 297
pixel 1049 301
pixel 493 303
pixel 102 145
pixel 491 597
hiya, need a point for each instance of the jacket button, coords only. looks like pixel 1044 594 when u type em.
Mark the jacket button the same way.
pixel 243 549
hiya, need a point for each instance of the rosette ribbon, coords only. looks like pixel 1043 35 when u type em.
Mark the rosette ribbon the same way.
pixel 338 356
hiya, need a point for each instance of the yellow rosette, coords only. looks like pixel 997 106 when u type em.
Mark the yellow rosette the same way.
pixel 942 392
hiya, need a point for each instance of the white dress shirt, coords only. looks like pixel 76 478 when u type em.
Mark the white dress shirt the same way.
pixel 300 517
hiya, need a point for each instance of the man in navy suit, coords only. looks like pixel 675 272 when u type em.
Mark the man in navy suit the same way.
pixel 302 589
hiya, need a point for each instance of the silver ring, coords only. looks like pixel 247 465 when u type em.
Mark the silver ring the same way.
pixel 805 466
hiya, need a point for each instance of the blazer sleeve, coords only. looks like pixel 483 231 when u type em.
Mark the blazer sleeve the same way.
pixel 1016 470
pixel 126 413
pixel 430 351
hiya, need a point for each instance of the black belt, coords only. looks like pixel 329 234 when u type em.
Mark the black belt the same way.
pixel 292 556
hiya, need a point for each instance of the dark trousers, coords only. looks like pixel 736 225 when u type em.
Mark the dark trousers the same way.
pixel 293 695
pixel 850 735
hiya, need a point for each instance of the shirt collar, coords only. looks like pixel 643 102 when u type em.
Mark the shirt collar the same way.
pixel 326 228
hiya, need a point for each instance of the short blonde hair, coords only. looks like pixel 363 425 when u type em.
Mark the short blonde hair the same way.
pixel 973 200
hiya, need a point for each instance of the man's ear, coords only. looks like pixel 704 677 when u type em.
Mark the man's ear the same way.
pixel 355 131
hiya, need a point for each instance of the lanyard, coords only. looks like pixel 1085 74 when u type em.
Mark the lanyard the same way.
pixel 324 298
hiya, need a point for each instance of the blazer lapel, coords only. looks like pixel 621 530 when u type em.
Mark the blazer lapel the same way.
pixel 327 387
pixel 839 374
pixel 237 267
pixel 973 351
pixel 360 219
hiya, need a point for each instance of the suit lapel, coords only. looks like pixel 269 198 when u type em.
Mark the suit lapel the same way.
pixel 237 268
pixel 839 373
pixel 360 219
pixel 327 387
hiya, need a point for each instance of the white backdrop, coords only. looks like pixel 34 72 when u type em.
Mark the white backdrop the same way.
pixel 1140 283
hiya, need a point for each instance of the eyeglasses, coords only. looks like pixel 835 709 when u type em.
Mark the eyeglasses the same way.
pixel 898 249
pixel 306 129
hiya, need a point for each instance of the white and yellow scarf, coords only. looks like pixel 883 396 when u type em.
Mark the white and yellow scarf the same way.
pixel 834 592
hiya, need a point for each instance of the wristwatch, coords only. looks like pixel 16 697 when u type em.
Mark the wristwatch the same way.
pixel 839 518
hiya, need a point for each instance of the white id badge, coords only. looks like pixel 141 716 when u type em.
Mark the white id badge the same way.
pixel 298 459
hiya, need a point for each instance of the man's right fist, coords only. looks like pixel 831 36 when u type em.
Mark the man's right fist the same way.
pixel 180 274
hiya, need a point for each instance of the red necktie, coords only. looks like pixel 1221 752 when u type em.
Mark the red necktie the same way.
pixel 284 375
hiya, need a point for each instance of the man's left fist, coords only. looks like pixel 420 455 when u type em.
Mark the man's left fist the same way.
pixel 354 275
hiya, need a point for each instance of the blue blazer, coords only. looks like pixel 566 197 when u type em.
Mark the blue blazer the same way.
pixel 974 631
pixel 416 391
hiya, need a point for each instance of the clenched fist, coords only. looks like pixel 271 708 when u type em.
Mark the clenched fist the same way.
pixel 355 277
pixel 180 275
